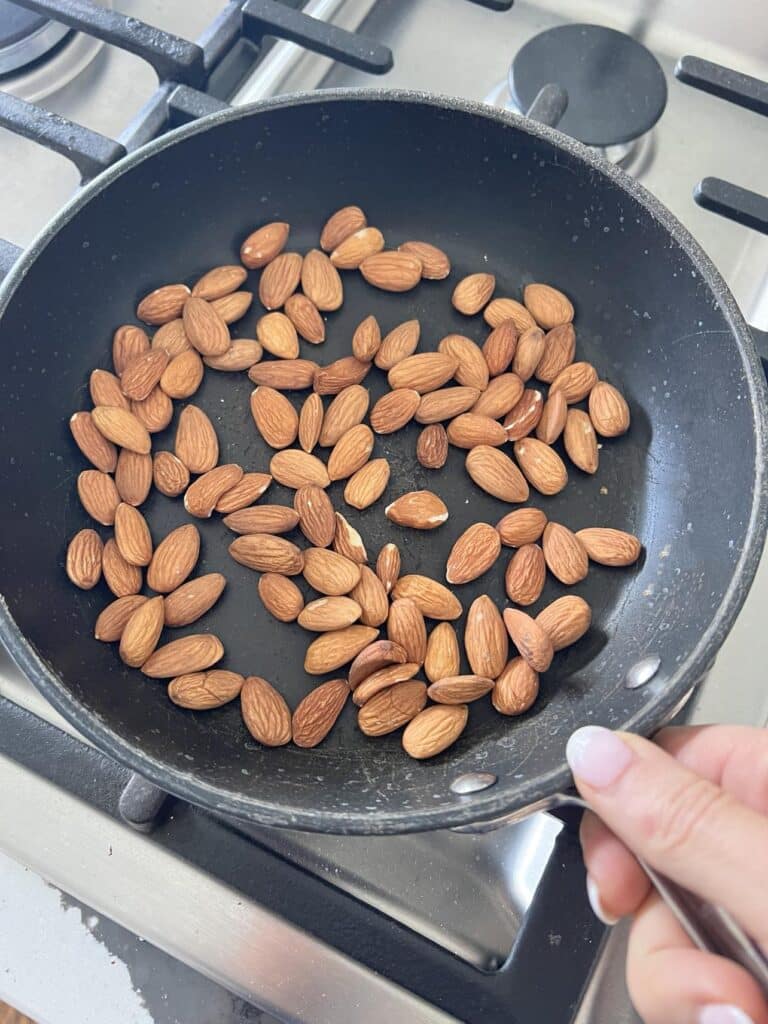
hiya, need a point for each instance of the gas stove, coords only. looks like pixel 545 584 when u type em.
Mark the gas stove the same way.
pixel 432 927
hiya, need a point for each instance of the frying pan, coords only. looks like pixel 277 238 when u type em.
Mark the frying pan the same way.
pixel 497 192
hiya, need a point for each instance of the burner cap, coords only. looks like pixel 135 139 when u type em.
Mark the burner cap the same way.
pixel 616 87
pixel 25 36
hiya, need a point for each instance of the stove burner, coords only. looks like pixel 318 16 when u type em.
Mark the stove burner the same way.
pixel 25 37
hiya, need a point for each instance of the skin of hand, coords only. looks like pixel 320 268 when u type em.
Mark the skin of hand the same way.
pixel 694 805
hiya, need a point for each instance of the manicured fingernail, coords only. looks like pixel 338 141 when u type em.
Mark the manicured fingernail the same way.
pixel 593 893
pixel 720 1013
pixel 597 756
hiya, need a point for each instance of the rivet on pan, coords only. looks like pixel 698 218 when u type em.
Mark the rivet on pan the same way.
pixel 472 782
pixel 642 672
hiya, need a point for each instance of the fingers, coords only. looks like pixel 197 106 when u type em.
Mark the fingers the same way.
pixel 680 823
pixel 616 883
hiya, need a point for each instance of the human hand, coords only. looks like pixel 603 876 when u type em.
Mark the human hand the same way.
pixel 694 805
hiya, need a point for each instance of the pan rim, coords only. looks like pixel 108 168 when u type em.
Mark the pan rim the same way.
pixel 498 799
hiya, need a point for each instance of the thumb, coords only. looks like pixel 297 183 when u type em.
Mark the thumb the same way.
pixel 680 823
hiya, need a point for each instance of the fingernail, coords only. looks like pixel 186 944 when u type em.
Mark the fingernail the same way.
pixel 597 756
pixel 720 1013
pixel 593 894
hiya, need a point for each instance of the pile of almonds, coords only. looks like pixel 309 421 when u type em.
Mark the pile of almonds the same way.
pixel 481 399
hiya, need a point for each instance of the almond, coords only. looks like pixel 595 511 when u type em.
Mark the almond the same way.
pixel 141 632
pixel 499 310
pixel 98 495
pixel 580 441
pixel 280 596
pixel 432 446
pixel 320 281
pixel 348 542
pixel 275 418
pixel 242 354
pixel 366 340
pixel 371 597
pixel 191 653
pixel 548 306
pixel 351 452
pixel 262 519
pixel 316 516
pixel 434 730
pixel 203 495
pixel 311 422
pixel 305 317
pixel 329 572
pixel 331 379
pixel 391 708
pixel 388 565
pixel 499 347
pixel 346 410
pixel 122 579
pixel 435 265
pixel 516 688
pixel 132 535
pixel 206 329
pixel 350 253
pixel 391 270
pixel 385 678
pixel 265 713
pixel 485 638
pixel 105 389
pixel 565 620
pixel 608 410
pixel 496 474
pixel 575 381
pixel 501 395
pixel 334 649
pixel 327 613
pixel 278 336
pixel 418 510
pixel 523 526
pixel 219 281
pixel 100 452
pixel 526 575
pixel 279 279
pixel 394 409
pixel 170 475
pixel 266 553
pixel 201 691
pixel 294 468
pixel 244 493
pixel 264 244
pixel 472 370
pixel 565 554
pixel 472 293
pixel 192 600
pixel 112 620
pixel 143 373
pixel 473 553
pixel 196 443
pixel 445 404
pixel 529 638
pixel 84 559
pixel 155 412
pixel 233 307
pixel 401 342
pixel 172 338
pixel 285 374
pixel 424 372
pixel 133 476
pixel 433 600
pixel 174 559
pixel 558 352
pixel 367 485
pixel 406 627
pixel 553 417
pixel 470 430
pixel 442 657
pixel 459 689
pixel 531 349
pixel 316 714
pixel 163 304
pixel 128 342
pixel 122 428
pixel 524 416
pixel 374 657
pixel 610 547
pixel 542 466
pixel 341 225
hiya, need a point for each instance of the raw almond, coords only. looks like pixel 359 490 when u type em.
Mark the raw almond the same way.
pixel 133 476
pixel 311 422
pixel 192 600
pixel 331 379
pixel 473 553
pixel 242 354
pixel 206 329
pixel 565 620
pixel 366 340
pixel 445 404
pixel 183 375
pixel 608 410
pixel 542 466
pixel 341 225
pixel 192 653
pixel 388 566
pixel 327 613
pixel 264 244
pixel 435 265
pixel 418 510
pixel 386 677
pixel 196 443
pixel 100 452
pixel 501 395
pixel 472 370
pixel 112 620
pixel 163 304
pixel 350 253
pixel 392 708
pixel 496 474
pixel 434 730
pixel 201 691
pixel 499 347
pixel 141 632
pixel 122 579
pixel 142 374
pixel 203 495
pixel 526 575
pixel 305 317
pixel 580 440
pixel 548 306
pixel 104 388
pixel 84 556
pixel 280 596
pixel 121 428
pixel 442 657
pixel 294 468
pixel 265 713
pixel 485 638
pixel 268 553
pixel 233 307
pixel 459 689
pixel 348 542
pixel 394 409
pixel 499 310
pixel 275 418
pixel 433 600
pixel 244 493
pixel 524 416
pixel 320 281
pixel 346 410
pixel 565 554
pixel 610 547
pixel 316 714
pixel 172 338
pixel 472 293
pixel 406 627
pixel 531 347
pixel 401 342
pixel 372 598
pixel 98 495
pixel 575 381
pixel 132 535
pixel 334 649
pixel 262 519
pixel 278 336
pixel 285 374
pixel 553 417
pixel 470 430
pixel 432 446
pixel 219 281
pixel 128 342
pixel 155 411
pixel 558 352
pixel 279 279
pixel 169 473
pixel 351 452
pixel 316 516
pixel 374 657
pixel 523 526
pixel 392 270
pixel 426 371
pixel 174 559
pixel 516 688
pixel 530 639
pixel 329 572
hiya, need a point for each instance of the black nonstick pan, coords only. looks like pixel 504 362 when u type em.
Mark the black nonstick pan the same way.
pixel 496 192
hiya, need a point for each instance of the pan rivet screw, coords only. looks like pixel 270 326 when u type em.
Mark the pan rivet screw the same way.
pixel 472 782
pixel 642 672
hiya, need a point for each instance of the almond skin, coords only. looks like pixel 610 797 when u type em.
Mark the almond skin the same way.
pixel 531 349
pixel 405 626
pixel 435 265
pixel 388 565
pixel 523 526
pixel 470 430
pixel 472 370
pixel 280 596
pixel 154 412
pixel 193 599
pixel 174 559
pixel 418 510
pixel 121 428
pixel 311 422
pixel 201 691
pixel 294 468
pixel 341 225
pixel 351 452
pixel 316 515
pixel 548 306
pixel 350 253
pixel 348 542
pixel 473 553
pixel 104 388
pixel 133 476
pixel 279 279
pixel 128 342
pixel 485 638
pixel 432 446
pixel 541 465
pixel 285 374
pixel 496 474
pixel 575 381
pixel 426 371
pixel 191 653
pixel 141 632
pixel 499 310
pixel 374 657
pixel 305 317
pixel 331 379
pixel 459 689
pixel 170 475
pixel 433 600
pixel 392 708
pixel 219 281
pixel 172 338
pixel 442 657
pixel 242 354
pixel 526 575
pixel 265 712
pixel 580 441
pixel 366 340
pixel 501 395
pixel 122 578
pixel 84 556
pixel 317 713
pixel 163 304
pixel 112 620
pixel 275 418
pixel 565 620
pixel 392 271
pixel 142 374
pixel 98 495
pixel 132 535
pixel 608 410
pixel 445 404
pixel 372 598
pixel 233 307
pixel 401 342
pixel 271 519
pixel 472 293
pixel 394 409
pixel 558 351
pixel 532 642
pixel 367 485
pixel 610 547
pixel 320 281
pixel 516 688
pixel 327 613
pixel 523 417
pixel 100 452
pixel 205 327
pixel 264 244
pixel 278 336
pixel 499 347
pixel 347 409
pixel 565 554
pixel 385 678
pixel 434 730
pixel 330 573
pixel 203 495
pixel 196 444
pixel 553 417
pixel 334 649
pixel 250 487
pixel 267 553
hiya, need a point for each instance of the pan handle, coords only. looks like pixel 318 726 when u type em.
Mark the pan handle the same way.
pixel 549 106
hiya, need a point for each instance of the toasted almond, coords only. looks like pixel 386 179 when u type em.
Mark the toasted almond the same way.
pixel 445 404
pixel 366 340
pixel 553 417
pixel 485 638
pixel 346 410
pixel 233 307
pixel 386 677
pixel 523 526
pixel 334 649
pixel 499 310
pixel 329 572
pixel 311 422
pixel 473 553
pixel 278 336
pixel 523 417
pixel 132 535
pixel 459 689
pixel 350 253
pixel 183 375
pixel 530 639
pixel 565 554
pixel 341 225
pixel 305 317
pixel 374 657
pixel 565 620
pixel 575 381
pixel 206 329
pixel 200 691
pixel 610 547
pixel 265 713
pixel 348 542
pixel 331 379
pixel 192 653
pixel 242 354
pixel 406 627
pixel 418 510
pixel 250 487
pixel 174 559
pixel 143 373
pixel 499 347
pixel 285 374
pixel 141 632
pixel 264 244
pixel 316 713
pixel 100 452
pixel 394 409
pixel 401 342
pixel 155 411
pixel 608 410
pixel 435 265
pixel 472 370
pixel 580 440
pixel 392 708
pixel 351 452
pixel 472 293
pixel 262 519
pixel 516 688
pixel 391 270
pixel 196 443
pixel 112 619
pixel 203 495
pixel 432 446
pixel 434 730
pixel 372 598
pixel 105 389
pixel 327 613
pixel 122 579
pixel 84 555
pixel 192 600
pixel 548 306
pixel 316 516
pixel 526 575
pixel 433 600
pixel 294 468
pixel 442 657
pixel 163 304
pixel 501 395
pixel 388 565
pixel 426 371
pixel 98 495
pixel 470 430
pixel 169 473
pixel 558 352
pixel 541 465
pixel 280 596
pixel 279 279
pixel 496 473
pixel 276 419
pixel 172 338
pixel 219 281
pixel 122 428
pixel 128 342
pixel 531 349
pixel 320 281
